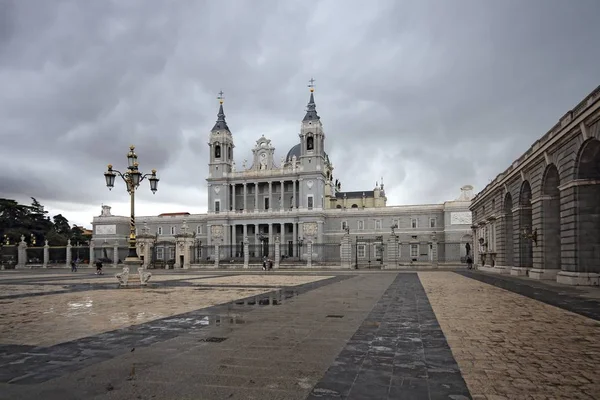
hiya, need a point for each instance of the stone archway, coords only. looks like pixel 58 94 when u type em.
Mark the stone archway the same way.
pixel 551 219
pixel 588 208
pixel 525 225
pixel 509 242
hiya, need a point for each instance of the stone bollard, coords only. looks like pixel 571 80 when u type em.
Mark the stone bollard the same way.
pixel 46 254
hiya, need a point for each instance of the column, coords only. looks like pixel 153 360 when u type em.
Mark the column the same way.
pixel 475 244
pixel 309 253
pixel 294 240
pixel 294 193
pixel 68 255
pixel 233 197
pixel 245 232
pixel 434 251
pixel 319 231
pixel 116 254
pixel 22 253
pixel 282 200
pixel 47 253
pixel 208 234
pixel 270 235
pixel 277 252
pixel 256 207
pixel 234 239
pixel 270 195
pixel 92 253
pixel 245 198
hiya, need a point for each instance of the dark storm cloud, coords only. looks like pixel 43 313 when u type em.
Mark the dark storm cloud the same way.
pixel 429 94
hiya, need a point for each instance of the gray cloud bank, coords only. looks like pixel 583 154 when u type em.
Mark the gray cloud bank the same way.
pixel 430 95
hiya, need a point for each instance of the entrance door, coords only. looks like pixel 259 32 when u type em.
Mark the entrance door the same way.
pixel 181 261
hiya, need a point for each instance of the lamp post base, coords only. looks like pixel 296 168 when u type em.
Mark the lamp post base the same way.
pixel 133 275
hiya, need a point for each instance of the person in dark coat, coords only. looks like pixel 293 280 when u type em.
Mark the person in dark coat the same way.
pixel 98 267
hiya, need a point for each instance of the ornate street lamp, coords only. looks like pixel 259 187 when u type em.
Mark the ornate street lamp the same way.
pixel 132 178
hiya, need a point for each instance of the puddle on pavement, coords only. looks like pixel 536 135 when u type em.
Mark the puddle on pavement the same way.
pixel 275 298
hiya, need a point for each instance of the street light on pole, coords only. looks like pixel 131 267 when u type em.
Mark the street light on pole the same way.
pixel 132 178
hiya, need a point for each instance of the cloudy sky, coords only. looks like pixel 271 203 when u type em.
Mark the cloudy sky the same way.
pixel 431 95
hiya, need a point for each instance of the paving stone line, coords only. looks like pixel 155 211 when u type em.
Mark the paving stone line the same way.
pixel 399 352
pixel 563 297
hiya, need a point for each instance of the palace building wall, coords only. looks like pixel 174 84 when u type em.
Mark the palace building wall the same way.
pixel 541 217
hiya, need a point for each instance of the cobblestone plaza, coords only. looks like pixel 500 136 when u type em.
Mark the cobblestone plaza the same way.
pixel 297 335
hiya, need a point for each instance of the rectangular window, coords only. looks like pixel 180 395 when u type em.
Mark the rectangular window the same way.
pixel 414 250
pixel 361 225
pixel 173 230
pixel 199 229
pixel 217 206
pixel 413 223
pixel 159 230
pixel 266 203
pixel 310 201
pixel 171 253
pixel 395 223
pixel 432 222
pixel 344 224
pixel 377 224
pixel 360 251
pixel 160 253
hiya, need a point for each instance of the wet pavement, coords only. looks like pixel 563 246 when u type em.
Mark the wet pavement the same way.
pixel 297 335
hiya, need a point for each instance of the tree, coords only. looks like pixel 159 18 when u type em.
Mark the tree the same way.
pixel 61 225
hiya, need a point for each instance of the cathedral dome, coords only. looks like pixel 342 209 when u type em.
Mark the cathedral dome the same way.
pixel 296 150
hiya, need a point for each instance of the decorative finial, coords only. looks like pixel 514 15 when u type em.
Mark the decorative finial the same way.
pixel 311 85
pixel 220 97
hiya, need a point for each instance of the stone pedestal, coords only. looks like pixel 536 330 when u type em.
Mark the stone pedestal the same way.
pixel 217 255
pixel 309 253
pixel 578 278
pixel 246 252
pixel 69 253
pixel 543 274
pixel 116 254
pixel 22 253
pixel 133 275
pixel 346 251
pixel 92 254
pixel 277 252
pixel 46 255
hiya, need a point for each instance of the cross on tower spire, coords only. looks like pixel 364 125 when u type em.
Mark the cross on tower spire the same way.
pixel 220 97
pixel 311 84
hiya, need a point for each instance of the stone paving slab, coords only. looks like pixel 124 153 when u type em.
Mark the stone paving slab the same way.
pixel 398 352
pixel 509 346
pixel 583 301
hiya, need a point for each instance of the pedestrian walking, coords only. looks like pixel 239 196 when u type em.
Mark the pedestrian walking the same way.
pixel 469 262
pixel 73 266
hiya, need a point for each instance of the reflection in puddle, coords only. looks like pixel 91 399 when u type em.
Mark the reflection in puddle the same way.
pixel 275 298
pixel 132 318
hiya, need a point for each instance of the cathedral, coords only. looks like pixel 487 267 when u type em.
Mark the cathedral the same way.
pixel 290 201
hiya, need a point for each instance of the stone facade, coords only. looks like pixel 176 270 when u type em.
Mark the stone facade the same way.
pixel 541 217
pixel 295 202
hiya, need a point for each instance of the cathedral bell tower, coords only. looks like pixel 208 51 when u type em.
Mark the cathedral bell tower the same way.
pixel 221 146
pixel 312 136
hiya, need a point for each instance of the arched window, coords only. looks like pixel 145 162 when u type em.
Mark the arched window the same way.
pixel 354 205
pixel 218 151
pixel 310 143
pixel 338 206
pixel 229 153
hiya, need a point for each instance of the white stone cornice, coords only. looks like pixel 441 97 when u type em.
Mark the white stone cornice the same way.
pixel 579 182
